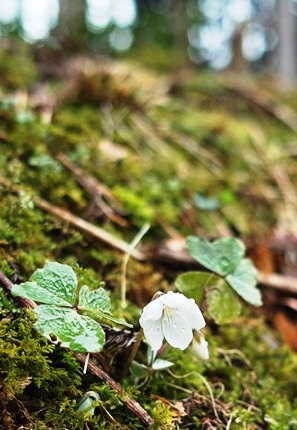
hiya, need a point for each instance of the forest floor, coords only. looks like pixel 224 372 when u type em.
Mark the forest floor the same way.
pixel 91 154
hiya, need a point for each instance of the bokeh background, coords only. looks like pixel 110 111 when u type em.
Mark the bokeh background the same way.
pixel 242 35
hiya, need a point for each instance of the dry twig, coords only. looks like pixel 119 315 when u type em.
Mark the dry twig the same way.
pixel 101 197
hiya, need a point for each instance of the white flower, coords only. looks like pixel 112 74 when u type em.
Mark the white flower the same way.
pixel 172 316
pixel 199 346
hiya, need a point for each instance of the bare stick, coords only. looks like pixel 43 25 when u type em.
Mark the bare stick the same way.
pixel 279 282
pixel 132 247
pixel 87 181
pixel 98 192
pixel 7 284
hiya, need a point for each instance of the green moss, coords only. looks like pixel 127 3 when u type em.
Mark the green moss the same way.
pixel 163 416
pixel 24 231
pixel 11 63
pixel 136 205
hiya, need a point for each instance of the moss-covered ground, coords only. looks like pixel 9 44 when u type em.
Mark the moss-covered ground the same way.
pixel 187 154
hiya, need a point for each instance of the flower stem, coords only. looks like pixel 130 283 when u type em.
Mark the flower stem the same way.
pixel 133 352
pixel 132 246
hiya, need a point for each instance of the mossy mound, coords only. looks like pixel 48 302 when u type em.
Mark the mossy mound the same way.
pixel 189 155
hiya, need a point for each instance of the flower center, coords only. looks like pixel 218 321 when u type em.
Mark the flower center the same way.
pixel 167 311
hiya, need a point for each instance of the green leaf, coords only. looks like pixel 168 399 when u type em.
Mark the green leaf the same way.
pixel 244 281
pixel 223 304
pixel 160 364
pixel 94 300
pixel 87 403
pixel 77 332
pixel 138 370
pixel 59 279
pixel 206 203
pixel 221 256
pixel 193 284
pixel 34 292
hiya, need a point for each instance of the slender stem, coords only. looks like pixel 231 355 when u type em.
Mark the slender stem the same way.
pixel 133 352
pixel 102 317
pixel 86 363
pixel 205 383
pixel 131 249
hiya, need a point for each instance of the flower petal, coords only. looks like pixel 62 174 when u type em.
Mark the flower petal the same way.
pixel 152 311
pixel 193 314
pixel 177 330
pixel 187 307
pixel 200 348
pixel 173 300
pixel 153 333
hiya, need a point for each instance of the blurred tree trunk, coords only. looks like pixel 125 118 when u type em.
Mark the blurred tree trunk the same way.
pixel 71 30
pixel 239 63
pixel 180 32
pixel 287 26
pixel 164 24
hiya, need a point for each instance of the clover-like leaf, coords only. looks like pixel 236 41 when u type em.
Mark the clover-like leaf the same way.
pixel 35 292
pixel 54 279
pixel 244 281
pixel 55 287
pixel 223 303
pixel 54 284
pixel 193 284
pixel 94 300
pixel 221 256
pixel 77 332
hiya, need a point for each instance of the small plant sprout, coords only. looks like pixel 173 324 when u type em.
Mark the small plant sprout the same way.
pixel 199 346
pixel 171 316
pixel 87 403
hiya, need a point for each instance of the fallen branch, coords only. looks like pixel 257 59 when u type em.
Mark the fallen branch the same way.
pixel 88 182
pixel 279 282
pixel 25 303
pixel 128 401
